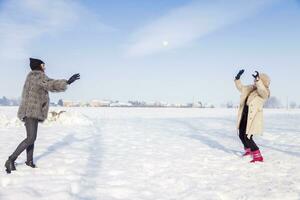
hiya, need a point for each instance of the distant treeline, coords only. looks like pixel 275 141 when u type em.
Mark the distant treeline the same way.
pixel 273 102
pixel 9 102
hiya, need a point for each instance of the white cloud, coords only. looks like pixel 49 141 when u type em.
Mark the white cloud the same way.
pixel 183 25
pixel 23 21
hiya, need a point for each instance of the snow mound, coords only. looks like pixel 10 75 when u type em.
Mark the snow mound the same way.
pixel 6 122
pixel 67 118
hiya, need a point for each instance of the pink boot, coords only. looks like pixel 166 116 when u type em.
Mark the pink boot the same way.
pixel 247 152
pixel 257 157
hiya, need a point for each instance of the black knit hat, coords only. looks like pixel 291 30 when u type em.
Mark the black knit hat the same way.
pixel 35 64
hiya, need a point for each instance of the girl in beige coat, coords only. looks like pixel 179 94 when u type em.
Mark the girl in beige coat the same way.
pixel 250 114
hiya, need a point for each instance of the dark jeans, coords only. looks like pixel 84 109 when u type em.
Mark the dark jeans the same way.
pixel 248 143
pixel 31 125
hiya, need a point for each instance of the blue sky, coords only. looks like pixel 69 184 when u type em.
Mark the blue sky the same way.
pixel 168 50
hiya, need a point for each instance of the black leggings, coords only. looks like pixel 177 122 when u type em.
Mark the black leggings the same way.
pixel 31 125
pixel 248 143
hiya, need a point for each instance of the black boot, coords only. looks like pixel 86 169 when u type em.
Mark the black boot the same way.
pixel 30 164
pixel 10 166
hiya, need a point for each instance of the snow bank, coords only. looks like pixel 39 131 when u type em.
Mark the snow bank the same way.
pixel 7 122
pixel 68 118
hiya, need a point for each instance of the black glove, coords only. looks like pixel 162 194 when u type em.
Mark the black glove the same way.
pixel 256 75
pixel 75 77
pixel 238 76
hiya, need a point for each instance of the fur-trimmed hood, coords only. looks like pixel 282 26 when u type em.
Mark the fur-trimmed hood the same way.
pixel 265 79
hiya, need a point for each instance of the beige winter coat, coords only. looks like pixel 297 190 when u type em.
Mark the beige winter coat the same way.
pixel 257 95
pixel 35 97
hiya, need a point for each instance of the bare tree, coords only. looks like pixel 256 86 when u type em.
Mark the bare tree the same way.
pixel 293 105
pixel 273 102
pixel 229 104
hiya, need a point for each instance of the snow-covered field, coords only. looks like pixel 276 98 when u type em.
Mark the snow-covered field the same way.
pixel 151 154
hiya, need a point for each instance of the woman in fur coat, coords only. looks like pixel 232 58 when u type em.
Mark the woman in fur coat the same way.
pixel 250 115
pixel 34 107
